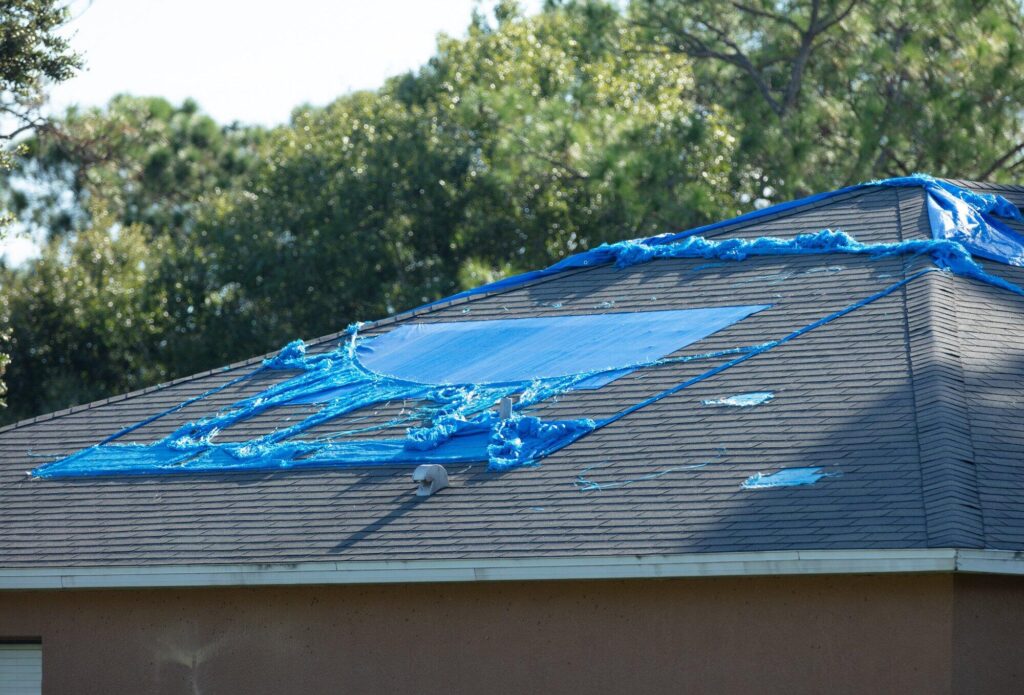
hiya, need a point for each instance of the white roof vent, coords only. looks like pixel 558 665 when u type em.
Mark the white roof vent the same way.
pixel 505 408
pixel 431 477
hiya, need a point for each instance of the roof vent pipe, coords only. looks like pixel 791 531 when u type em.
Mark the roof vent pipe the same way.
pixel 505 408
pixel 431 477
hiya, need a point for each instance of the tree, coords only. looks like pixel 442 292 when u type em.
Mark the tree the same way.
pixel 352 212
pixel 515 145
pixel 32 55
pixel 147 163
pixel 85 320
pixel 830 92
pixel 580 136
pixel 141 159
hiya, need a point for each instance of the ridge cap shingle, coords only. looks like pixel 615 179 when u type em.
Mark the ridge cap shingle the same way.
pixel 949 486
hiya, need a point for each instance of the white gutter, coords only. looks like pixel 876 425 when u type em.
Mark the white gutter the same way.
pixel 990 561
pixel 769 563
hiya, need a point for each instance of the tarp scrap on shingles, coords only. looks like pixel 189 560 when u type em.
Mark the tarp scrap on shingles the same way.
pixel 464 369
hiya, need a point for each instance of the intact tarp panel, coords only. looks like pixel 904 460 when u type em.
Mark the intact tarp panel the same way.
pixel 507 351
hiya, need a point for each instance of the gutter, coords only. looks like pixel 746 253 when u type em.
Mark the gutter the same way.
pixel 751 564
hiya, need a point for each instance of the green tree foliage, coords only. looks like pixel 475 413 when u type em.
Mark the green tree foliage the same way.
pixel 32 56
pixel 514 145
pixel 350 212
pixel 144 160
pixel 147 163
pixel 831 92
pixel 84 321
pixel 524 140
pixel 582 136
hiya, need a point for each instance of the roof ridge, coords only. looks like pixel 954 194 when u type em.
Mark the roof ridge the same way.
pixel 949 483
pixel 992 185
pixel 728 227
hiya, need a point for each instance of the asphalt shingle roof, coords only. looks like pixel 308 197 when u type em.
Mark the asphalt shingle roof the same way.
pixel 912 402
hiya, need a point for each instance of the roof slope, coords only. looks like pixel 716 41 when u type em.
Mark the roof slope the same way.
pixel 911 402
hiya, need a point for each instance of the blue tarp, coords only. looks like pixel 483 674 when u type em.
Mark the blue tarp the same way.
pixel 787 477
pixel 956 214
pixel 522 350
pixel 463 369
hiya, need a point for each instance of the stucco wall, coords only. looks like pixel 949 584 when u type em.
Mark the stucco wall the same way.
pixel 794 635
pixel 988 634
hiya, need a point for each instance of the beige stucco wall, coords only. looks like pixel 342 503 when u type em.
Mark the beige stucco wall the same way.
pixel 788 635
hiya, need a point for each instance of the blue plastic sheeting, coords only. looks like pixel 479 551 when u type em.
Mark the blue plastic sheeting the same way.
pixel 956 214
pixel 970 219
pixel 535 359
pixel 945 254
pixel 522 350
pixel 787 477
pixel 142 459
pixel 466 410
pixel 741 400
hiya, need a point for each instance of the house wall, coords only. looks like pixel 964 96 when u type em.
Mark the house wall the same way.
pixel 850 634
pixel 988 632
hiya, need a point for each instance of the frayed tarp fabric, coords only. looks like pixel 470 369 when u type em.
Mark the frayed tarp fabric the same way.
pixel 956 214
pixel 741 400
pixel 969 218
pixel 787 477
pixel 462 371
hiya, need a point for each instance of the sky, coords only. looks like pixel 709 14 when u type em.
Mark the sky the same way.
pixel 247 60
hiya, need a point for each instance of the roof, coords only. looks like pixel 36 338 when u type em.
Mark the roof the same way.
pixel 910 404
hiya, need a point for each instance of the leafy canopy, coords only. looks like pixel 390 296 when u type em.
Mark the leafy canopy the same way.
pixel 178 244
pixel 32 56
pixel 830 92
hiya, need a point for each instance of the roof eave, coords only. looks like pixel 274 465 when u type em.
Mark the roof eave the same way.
pixel 741 564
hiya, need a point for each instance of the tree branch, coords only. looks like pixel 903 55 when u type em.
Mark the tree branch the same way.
pixel 1001 162
pixel 780 19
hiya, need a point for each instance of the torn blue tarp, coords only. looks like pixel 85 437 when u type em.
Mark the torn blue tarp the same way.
pixel 787 477
pixel 983 235
pixel 741 400
pixel 342 384
pixel 462 371
pixel 945 254
pixel 956 214
pixel 507 362
pixel 523 439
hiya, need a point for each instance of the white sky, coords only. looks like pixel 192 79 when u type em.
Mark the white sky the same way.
pixel 252 60
pixel 248 60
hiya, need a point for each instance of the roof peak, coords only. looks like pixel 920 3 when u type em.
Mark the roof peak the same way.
pixel 958 214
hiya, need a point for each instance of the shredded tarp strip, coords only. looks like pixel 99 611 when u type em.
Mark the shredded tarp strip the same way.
pixel 740 400
pixel 787 477
pixel 956 214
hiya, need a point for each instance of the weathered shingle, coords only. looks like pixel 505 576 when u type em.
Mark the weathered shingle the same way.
pixel 909 402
